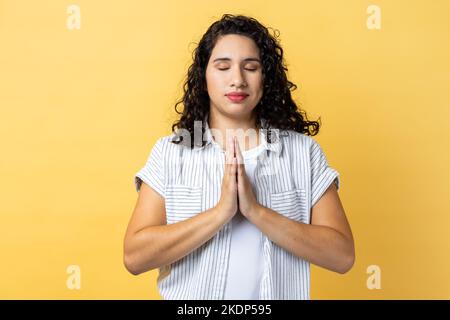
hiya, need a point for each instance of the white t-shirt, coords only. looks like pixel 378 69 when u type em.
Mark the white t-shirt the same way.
pixel 245 267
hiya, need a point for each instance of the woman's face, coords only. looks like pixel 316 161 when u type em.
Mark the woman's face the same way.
pixel 234 66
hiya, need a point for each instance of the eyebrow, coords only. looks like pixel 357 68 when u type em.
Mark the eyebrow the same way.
pixel 246 59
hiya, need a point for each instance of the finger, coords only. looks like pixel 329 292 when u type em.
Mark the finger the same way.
pixel 240 159
pixel 227 167
pixel 228 161
pixel 229 150
pixel 233 170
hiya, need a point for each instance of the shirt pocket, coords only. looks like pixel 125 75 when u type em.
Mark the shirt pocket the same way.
pixel 291 204
pixel 182 202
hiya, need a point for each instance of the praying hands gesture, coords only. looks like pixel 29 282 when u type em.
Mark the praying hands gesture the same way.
pixel 237 192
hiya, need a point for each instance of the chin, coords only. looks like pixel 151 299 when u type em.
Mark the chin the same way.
pixel 239 113
pixel 234 110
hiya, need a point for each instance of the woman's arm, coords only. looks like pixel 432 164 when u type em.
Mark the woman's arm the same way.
pixel 326 242
pixel 150 243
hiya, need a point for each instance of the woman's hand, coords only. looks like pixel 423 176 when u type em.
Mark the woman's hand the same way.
pixel 228 203
pixel 246 198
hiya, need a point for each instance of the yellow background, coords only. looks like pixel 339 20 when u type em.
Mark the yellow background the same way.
pixel 81 109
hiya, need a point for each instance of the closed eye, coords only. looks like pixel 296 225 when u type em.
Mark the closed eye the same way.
pixel 222 69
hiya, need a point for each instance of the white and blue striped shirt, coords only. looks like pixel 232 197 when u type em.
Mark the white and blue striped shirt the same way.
pixel 290 177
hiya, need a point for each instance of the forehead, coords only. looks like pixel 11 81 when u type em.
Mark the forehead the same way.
pixel 235 47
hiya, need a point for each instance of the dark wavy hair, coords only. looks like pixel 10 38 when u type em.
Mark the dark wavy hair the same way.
pixel 276 105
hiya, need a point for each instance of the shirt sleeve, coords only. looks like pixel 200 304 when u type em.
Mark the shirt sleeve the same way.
pixel 153 172
pixel 322 175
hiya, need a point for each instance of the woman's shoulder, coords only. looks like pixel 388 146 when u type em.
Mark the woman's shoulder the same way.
pixel 296 138
pixel 169 142
pixel 164 142
pixel 166 139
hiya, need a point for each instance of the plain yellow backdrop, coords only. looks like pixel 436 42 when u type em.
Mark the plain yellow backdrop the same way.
pixel 81 109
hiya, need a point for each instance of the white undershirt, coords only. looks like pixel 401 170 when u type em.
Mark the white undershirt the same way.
pixel 246 254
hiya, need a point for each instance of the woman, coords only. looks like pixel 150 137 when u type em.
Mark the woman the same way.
pixel 240 200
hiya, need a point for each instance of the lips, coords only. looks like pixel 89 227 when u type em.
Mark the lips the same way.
pixel 237 97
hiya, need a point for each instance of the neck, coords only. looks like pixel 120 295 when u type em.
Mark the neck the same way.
pixel 243 128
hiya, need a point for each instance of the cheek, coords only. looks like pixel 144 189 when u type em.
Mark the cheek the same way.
pixel 259 85
pixel 257 79
pixel 214 83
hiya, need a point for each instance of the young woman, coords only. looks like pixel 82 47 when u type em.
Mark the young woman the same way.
pixel 226 215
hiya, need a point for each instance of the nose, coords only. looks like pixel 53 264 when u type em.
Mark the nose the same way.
pixel 238 78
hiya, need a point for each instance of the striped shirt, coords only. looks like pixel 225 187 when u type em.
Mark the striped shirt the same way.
pixel 291 175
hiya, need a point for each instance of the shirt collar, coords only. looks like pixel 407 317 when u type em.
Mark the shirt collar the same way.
pixel 275 146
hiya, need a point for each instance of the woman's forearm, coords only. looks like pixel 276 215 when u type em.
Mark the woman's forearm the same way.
pixel 320 245
pixel 156 246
